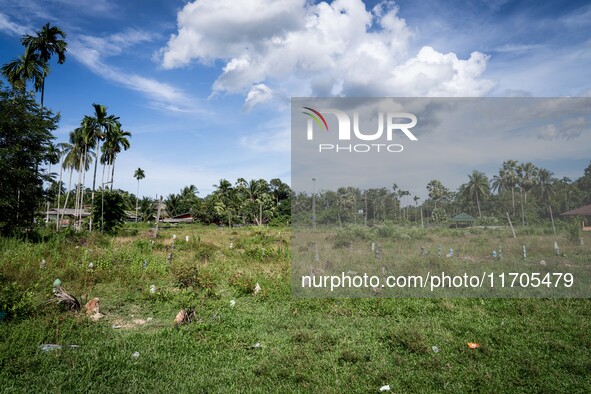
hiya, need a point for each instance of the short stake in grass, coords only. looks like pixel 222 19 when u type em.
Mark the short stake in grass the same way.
pixel 378 254
pixel 556 249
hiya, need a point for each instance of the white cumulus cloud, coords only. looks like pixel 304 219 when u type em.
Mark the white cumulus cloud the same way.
pixel 299 48
pixel 257 95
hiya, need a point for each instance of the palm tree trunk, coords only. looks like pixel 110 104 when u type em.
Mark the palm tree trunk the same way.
pixel 59 197
pixel 522 209
pixel 137 196
pixel 478 203
pixel 103 178
pixel 48 186
pixel 112 173
pixel 78 183
pixel 42 89
pixel 82 189
pixel 98 145
pixel 513 197
pixel 69 189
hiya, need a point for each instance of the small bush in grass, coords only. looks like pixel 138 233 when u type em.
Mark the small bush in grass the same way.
pixel 243 285
pixel 204 251
pixel 14 300
pixel 143 245
pixel 574 232
pixel 192 277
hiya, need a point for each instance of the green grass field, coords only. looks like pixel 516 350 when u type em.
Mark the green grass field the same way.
pixel 304 345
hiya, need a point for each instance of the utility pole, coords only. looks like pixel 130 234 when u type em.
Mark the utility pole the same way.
pixel 157 218
pixel 365 210
pixel 314 203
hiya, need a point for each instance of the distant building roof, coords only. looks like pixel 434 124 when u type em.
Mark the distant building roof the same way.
pixel 183 218
pixel 68 212
pixel 582 211
pixel 463 217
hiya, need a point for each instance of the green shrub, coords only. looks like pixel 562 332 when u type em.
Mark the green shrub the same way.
pixel 243 284
pixel 192 277
pixel 14 300
pixel 204 251
pixel 573 229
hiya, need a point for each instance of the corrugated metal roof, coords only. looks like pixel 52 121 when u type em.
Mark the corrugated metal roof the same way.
pixel 582 211
pixel 463 217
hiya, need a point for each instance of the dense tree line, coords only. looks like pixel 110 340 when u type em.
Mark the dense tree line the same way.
pixel 529 194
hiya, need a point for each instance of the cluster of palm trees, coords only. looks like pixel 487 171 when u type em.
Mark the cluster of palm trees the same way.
pixel 513 177
pixel 33 64
pixel 84 147
pixel 84 144
pixel 524 189
pixel 254 201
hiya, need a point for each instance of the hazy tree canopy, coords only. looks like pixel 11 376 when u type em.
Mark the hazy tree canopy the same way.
pixel 25 138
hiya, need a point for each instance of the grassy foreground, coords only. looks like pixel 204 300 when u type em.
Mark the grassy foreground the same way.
pixel 268 342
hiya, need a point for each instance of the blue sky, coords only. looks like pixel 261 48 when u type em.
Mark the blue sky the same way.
pixel 204 86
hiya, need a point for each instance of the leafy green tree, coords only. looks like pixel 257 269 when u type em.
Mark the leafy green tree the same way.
pixel 25 136
pixel 437 191
pixel 47 42
pixel 110 214
pixel 584 185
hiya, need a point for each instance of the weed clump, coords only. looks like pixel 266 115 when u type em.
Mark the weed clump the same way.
pixel 192 277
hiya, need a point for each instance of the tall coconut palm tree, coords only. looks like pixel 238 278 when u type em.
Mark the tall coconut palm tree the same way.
pixel 224 195
pixel 27 67
pixel 82 155
pixel 47 42
pixel 74 154
pixel 53 157
pixel 527 174
pixel 63 149
pixel 510 178
pixel 139 175
pixel 115 140
pixel 477 187
pixel 146 209
pixel 173 205
pixel 544 184
pixel 96 128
